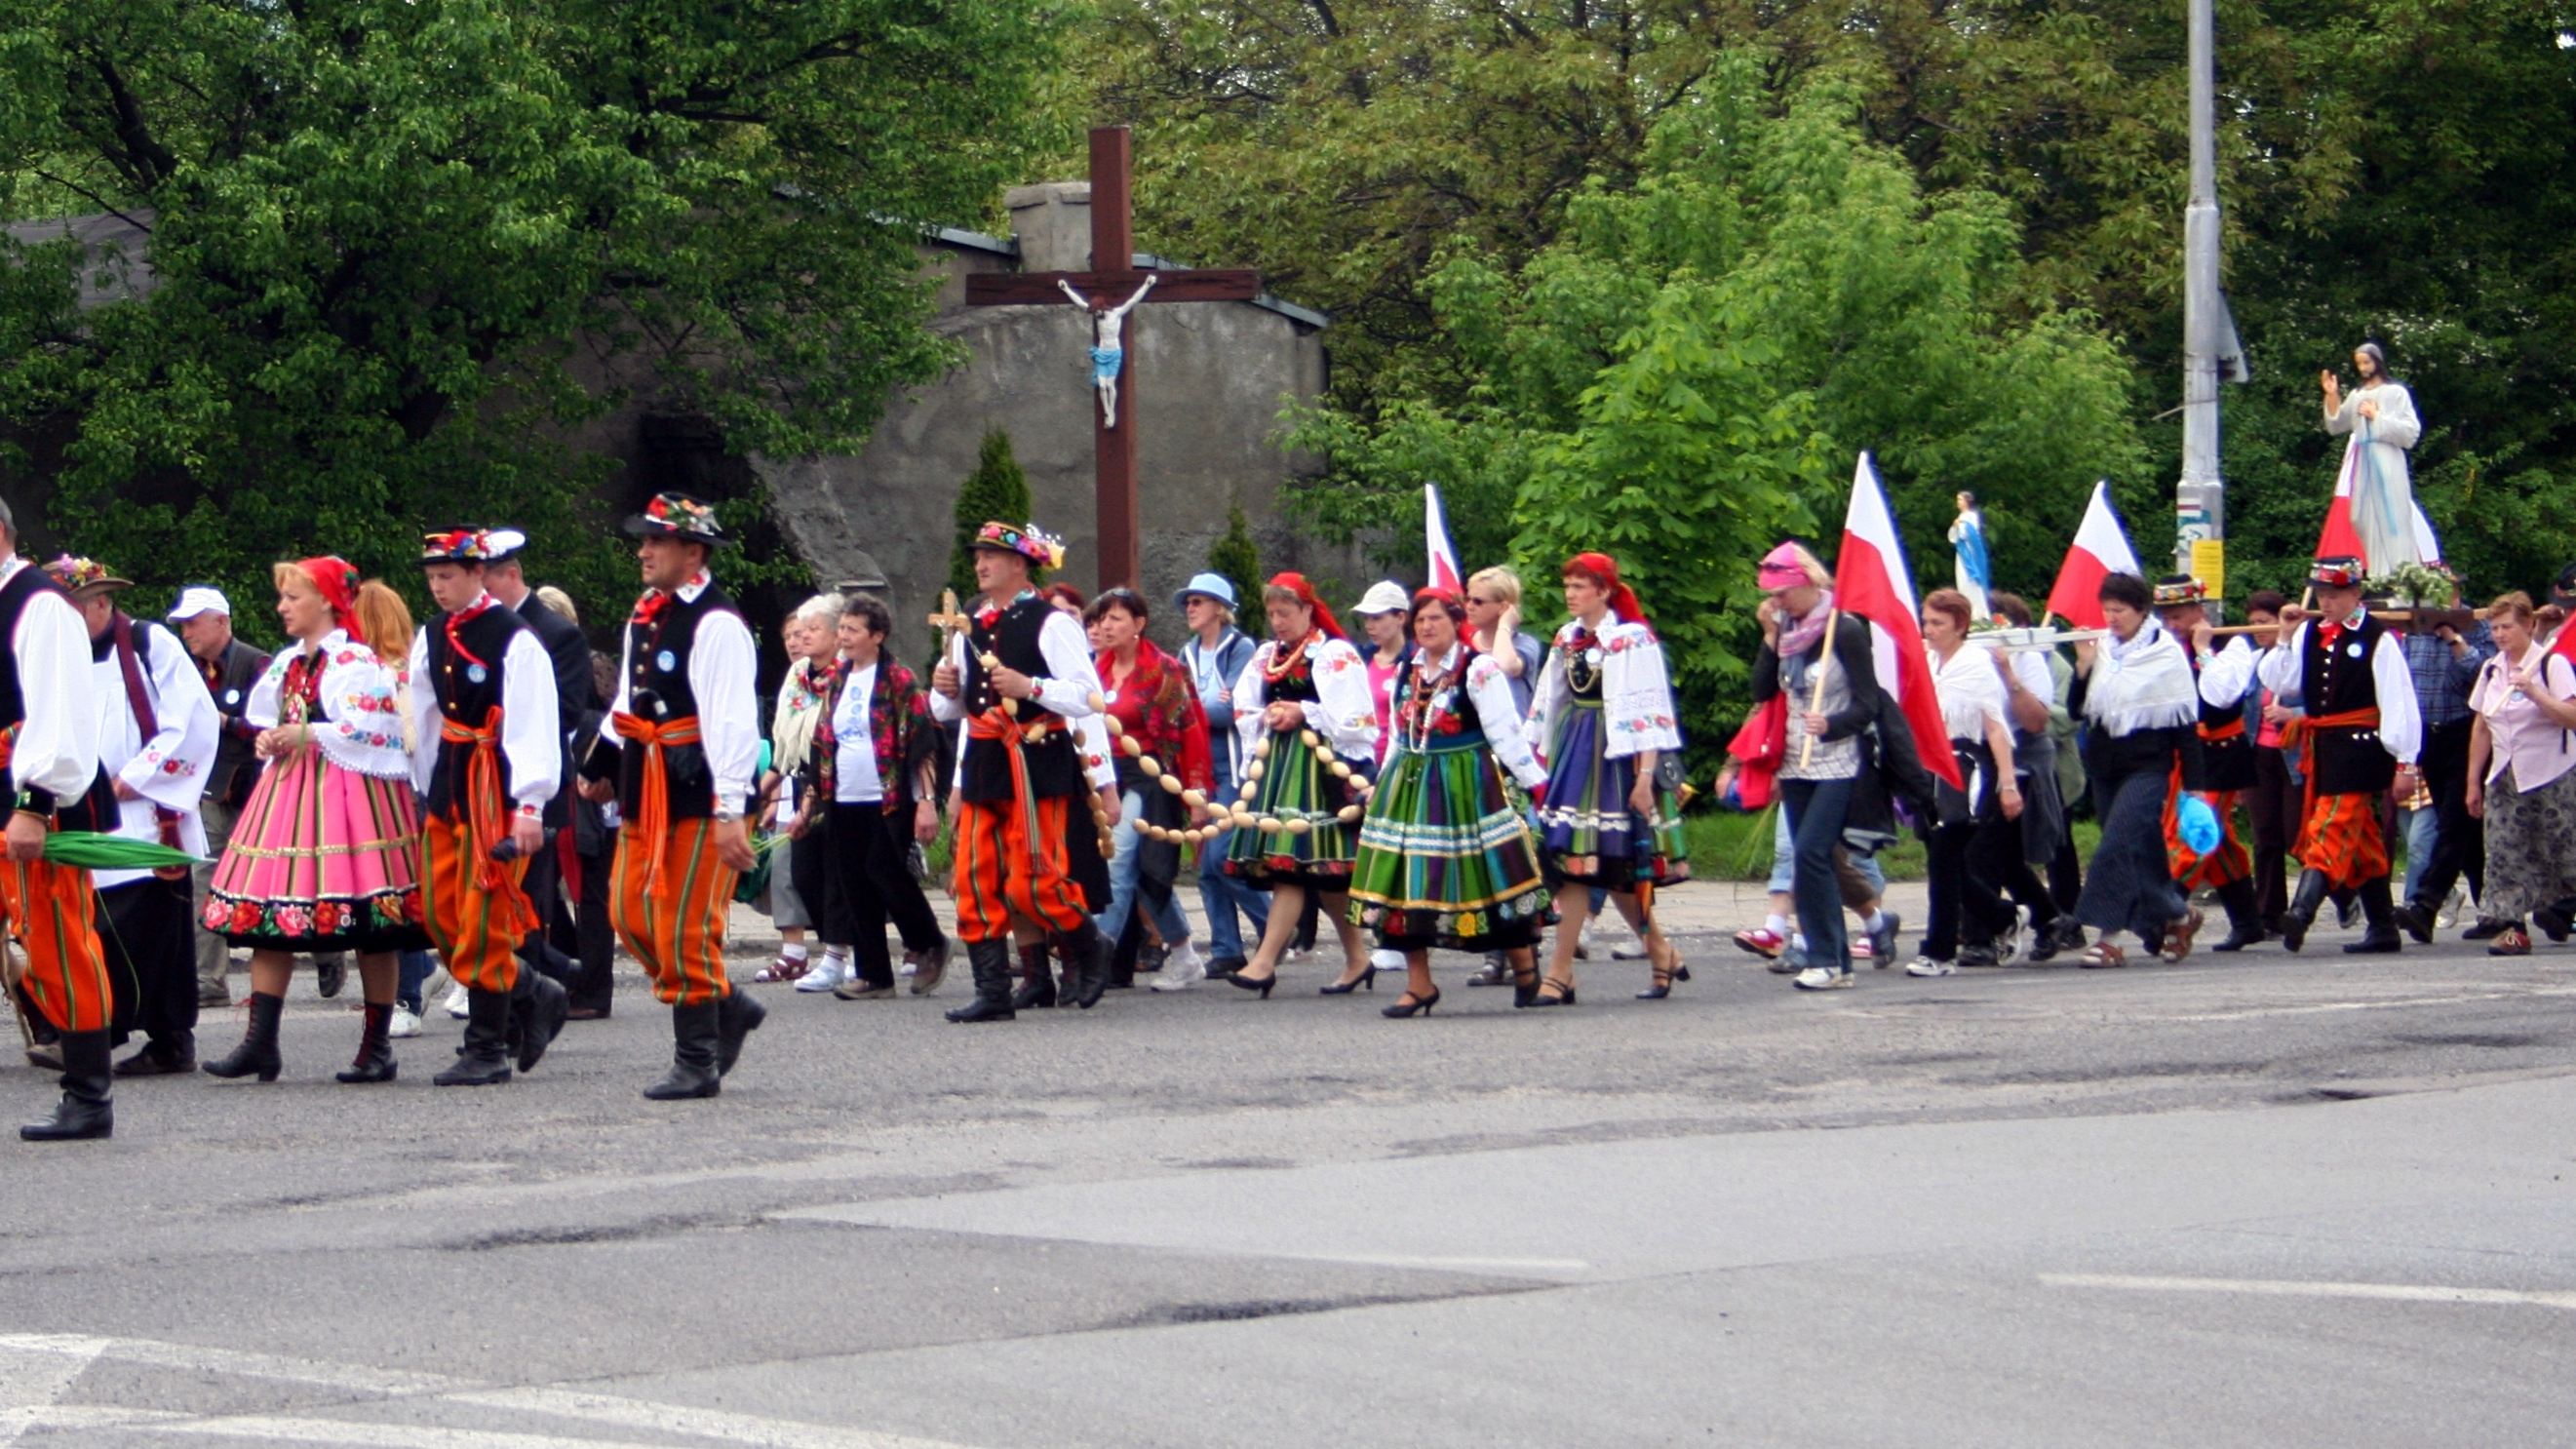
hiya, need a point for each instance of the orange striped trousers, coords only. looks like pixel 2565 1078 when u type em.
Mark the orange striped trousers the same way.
pixel 50 909
pixel 2226 865
pixel 2342 839
pixel 995 877
pixel 675 925
pixel 473 934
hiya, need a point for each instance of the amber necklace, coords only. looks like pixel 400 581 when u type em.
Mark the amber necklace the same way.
pixel 1284 662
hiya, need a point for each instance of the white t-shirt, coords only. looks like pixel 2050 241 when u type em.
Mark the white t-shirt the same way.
pixel 856 781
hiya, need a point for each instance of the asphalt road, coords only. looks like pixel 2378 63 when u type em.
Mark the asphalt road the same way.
pixel 2261 1200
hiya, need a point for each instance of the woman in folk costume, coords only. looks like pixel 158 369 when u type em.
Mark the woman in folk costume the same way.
pixel 2137 691
pixel 1446 857
pixel 2379 416
pixel 325 855
pixel 1302 708
pixel 1604 716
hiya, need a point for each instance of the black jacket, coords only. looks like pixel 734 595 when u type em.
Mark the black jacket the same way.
pixel 229 680
pixel 1891 768
pixel 574 698
pixel 2110 757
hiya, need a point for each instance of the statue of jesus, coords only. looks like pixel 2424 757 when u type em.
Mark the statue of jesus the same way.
pixel 1108 354
pixel 2380 417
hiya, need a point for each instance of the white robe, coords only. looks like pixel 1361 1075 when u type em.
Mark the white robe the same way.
pixel 2375 473
pixel 168 770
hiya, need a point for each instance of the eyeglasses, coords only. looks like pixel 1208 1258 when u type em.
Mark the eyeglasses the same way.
pixel 1488 603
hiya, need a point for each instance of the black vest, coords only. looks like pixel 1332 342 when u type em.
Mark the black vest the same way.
pixel 2347 761
pixel 1054 763
pixel 466 699
pixel 2226 764
pixel 657 689
pixel 95 810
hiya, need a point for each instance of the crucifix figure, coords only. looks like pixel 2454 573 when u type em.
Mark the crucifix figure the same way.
pixel 1114 273
pixel 1108 344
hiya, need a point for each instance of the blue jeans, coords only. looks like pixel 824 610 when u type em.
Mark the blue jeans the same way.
pixel 416 966
pixel 1784 860
pixel 2423 832
pixel 1221 895
pixel 1124 875
pixel 1815 810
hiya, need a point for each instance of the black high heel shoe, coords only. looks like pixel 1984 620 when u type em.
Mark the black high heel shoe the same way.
pixel 1564 993
pixel 1367 978
pixel 1665 976
pixel 1409 1005
pixel 1261 984
pixel 1525 988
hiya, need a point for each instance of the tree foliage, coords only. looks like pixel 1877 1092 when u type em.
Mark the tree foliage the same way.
pixel 1687 373
pixel 1235 556
pixel 399 247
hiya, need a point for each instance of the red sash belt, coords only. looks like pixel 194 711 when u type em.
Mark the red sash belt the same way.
pixel 2301 734
pixel 653 812
pixel 2232 730
pixel 996 726
pixel 487 820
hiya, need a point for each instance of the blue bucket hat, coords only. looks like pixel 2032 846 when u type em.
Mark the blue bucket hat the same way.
pixel 1215 586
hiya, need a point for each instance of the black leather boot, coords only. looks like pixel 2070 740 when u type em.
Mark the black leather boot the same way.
pixel 738 1015
pixel 162 1058
pixel 1086 957
pixel 1037 979
pixel 258 1049
pixel 2416 919
pixel 2303 909
pixel 484 1059
pixel 375 1061
pixel 694 1032
pixel 991 963
pixel 539 1006
pixel 2380 937
pixel 85 1110
pixel 2244 918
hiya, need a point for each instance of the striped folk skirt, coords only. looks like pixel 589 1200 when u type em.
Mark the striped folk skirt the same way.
pixel 322 859
pixel 1587 833
pixel 1296 784
pixel 1446 857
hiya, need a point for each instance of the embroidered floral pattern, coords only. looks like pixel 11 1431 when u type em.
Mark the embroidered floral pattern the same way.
pixel 315 921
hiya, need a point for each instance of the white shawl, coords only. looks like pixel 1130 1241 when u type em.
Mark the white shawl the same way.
pixel 2142 683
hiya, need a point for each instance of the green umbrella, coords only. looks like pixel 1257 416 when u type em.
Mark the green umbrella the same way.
pixel 90 850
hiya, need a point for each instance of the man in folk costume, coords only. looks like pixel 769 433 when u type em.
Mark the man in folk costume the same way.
pixel 157 734
pixel 2227 759
pixel 678 758
pixel 487 756
pixel 49 738
pixel 2360 735
pixel 1019 676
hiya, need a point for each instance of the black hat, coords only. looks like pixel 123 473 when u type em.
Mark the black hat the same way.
pixel 2565 583
pixel 677 515
pixel 470 545
pixel 2338 573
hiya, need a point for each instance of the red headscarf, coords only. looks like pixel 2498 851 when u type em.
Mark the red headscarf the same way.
pixel 1305 592
pixel 1604 570
pixel 337 579
pixel 1448 600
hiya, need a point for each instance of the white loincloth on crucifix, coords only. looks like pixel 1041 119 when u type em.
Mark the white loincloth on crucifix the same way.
pixel 1108 345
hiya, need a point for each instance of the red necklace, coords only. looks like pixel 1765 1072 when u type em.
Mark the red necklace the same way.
pixel 1292 661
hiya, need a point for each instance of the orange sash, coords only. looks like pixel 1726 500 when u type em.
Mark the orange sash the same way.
pixel 653 813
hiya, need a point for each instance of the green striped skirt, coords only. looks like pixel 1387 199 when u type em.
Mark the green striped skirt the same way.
pixel 1446 857
pixel 1297 783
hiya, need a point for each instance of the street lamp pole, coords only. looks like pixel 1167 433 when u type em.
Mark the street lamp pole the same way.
pixel 2211 351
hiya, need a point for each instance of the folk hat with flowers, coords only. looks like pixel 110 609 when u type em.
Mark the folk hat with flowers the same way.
pixel 2175 590
pixel 2337 573
pixel 470 545
pixel 677 515
pixel 1041 549
pixel 85 578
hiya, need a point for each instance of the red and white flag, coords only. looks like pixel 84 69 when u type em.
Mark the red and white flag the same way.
pixel 1444 572
pixel 2340 539
pixel 1871 581
pixel 2101 549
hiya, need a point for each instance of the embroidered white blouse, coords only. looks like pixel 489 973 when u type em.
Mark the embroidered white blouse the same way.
pixel 361 727
pixel 1497 713
pixel 1343 713
pixel 169 769
pixel 1636 692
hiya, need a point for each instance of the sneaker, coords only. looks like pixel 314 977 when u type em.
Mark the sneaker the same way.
pixel 1882 942
pixel 911 964
pixel 2482 931
pixel 2449 914
pixel 2008 945
pixel 1789 962
pixel 1583 943
pixel 1926 966
pixel 1984 955
pixel 827 974
pixel 405 1024
pixel 1628 951
pixel 460 1003
pixel 1182 969
pixel 1762 941
pixel 1497 972
pixel 2510 941
pixel 856 989
pixel 1817 978
pixel 1863 950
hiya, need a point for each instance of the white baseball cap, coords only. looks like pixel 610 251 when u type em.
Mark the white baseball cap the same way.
pixel 200 599
pixel 1384 597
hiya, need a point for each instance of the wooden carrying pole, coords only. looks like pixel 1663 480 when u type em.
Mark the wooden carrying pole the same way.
pixel 1816 696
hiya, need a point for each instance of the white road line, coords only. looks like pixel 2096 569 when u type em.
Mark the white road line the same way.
pixel 359 1378
pixel 289 1430
pixel 626 1413
pixel 2323 1008
pixel 2284 1288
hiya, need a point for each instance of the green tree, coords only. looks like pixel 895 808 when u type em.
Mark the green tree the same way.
pixel 1234 556
pixel 400 248
pixel 996 490
pixel 1688 372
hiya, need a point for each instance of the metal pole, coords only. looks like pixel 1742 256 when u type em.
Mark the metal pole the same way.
pixel 2200 502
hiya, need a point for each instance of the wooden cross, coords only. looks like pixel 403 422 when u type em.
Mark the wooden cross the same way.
pixel 949 621
pixel 1114 277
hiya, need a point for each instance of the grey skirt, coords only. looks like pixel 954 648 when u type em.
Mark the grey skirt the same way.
pixel 2531 847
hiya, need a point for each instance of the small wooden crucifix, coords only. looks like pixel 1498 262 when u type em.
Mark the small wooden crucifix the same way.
pixel 1113 287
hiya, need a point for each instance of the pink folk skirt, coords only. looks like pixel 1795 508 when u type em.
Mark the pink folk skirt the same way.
pixel 321 859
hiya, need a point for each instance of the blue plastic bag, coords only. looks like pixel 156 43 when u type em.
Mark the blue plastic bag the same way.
pixel 2199 824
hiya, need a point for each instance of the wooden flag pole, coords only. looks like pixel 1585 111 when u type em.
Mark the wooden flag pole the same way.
pixel 1816 696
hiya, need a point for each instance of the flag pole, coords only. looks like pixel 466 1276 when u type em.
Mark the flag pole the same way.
pixel 1816 696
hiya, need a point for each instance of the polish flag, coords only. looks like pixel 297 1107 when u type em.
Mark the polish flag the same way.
pixel 2340 539
pixel 1444 572
pixel 1870 580
pixel 2101 549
